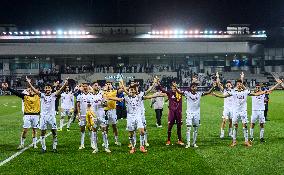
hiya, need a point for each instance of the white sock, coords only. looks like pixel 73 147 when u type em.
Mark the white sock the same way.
pixel 235 132
pixel 195 134
pixel 134 138
pixel 105 139
pixel 142 140
pixel 43 142
pixel 188 134
pixel 116 138
pixel 69 122
pixel 251 132
pixel 131 139
pixel 61 123
pixel 222 132
pixel 54 141
pixel 230 132
pixel 92 135
pixel 82 138
pixel 23 140
pixel 245 130
pixel 34 141
pixel 145 137
pixel 261 133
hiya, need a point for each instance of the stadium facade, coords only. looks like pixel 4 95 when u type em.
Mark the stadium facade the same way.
pixel 238 48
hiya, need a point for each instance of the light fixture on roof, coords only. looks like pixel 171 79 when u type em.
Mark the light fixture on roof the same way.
pixel 43 32
pixel 54 32
pixel 205 32
pixel 27 33
pixel 10 33
pixel 32 33
pixel 65 33
pixel 59 32
pixel 4 33
pixel 190 32
pixel 48 32
pixel 166 32
pixel 196 32
pixel 16 33
pixel 21 33
pixel 211 32
pixel 37 32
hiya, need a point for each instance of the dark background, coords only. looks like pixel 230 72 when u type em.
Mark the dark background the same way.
pixel 163 13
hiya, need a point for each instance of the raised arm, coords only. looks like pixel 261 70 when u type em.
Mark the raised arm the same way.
pixel 5 86
pixel 221 95
pixel 31 86
pixel 178 90
pixel 115 99
pixel 258 93
pixel 279 82
pixel 153 96
pixel 151 87
pixel 242 79
pixel 210 90
pixel 61 89
pixel 123 87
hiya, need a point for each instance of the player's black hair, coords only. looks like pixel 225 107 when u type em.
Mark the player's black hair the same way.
pixel 239 81
pixel 228 81
pixel 48 85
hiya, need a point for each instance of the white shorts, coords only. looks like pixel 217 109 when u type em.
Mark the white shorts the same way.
pixel 111 116
pixel 46 120
pixel 134 122
pixel 227 114
pixel 240 116
pixel 257 115
pixel 30 121
pixel 82 120
pixel 100 120
pixel 66 112
pixel 192 119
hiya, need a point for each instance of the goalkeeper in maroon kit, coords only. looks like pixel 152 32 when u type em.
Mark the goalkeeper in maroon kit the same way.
pixel 175 111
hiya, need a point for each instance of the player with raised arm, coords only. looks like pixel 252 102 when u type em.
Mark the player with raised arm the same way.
pixel 175 111
pixel 67 107
pixel 31 110
pixel 193 98
pixel 240 94
pixel 47 112
pixel 258 108
pixel 228 107
pixel 98 107
pixel 134 119
pixel 110 110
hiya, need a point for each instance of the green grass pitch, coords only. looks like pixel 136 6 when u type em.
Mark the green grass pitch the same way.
pixel 214 156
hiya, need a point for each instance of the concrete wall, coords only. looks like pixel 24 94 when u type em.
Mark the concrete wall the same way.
pixel 127 48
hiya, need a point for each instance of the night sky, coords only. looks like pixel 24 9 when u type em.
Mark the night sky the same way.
pixel 163 13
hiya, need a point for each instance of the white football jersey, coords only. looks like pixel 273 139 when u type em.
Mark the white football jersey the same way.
pixel 258 103
pixel 240 99
pixel 84 99
pixel 67 100
pixel 47 104
pixel 98 100
pixel 229 101
pixel 133 104
pixel 193 101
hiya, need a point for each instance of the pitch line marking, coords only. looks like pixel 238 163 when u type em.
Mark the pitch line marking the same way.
pixel 21 151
